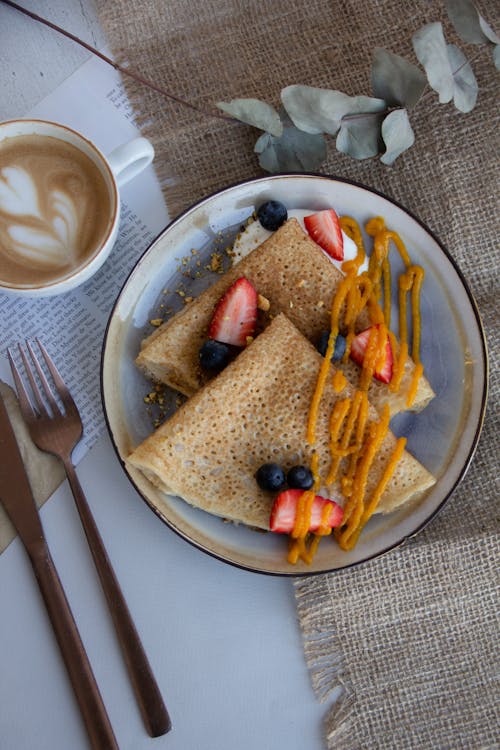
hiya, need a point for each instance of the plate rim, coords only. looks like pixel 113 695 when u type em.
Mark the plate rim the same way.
pixel 484 396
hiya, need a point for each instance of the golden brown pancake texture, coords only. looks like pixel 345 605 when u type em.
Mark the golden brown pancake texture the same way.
pixel 256 411
pixel 295 275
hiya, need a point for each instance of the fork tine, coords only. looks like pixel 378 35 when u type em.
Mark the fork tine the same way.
pixel 22 395
pixel 38 396
pixel 61 386
pixel 34 387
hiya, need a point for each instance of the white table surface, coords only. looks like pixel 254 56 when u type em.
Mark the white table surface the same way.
pixel 224 643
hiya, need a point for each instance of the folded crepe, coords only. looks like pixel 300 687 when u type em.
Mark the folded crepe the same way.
pixel 294 274
pixel 254 412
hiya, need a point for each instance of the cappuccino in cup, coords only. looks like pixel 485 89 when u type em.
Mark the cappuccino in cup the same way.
pixel 55 209
pixel 59 204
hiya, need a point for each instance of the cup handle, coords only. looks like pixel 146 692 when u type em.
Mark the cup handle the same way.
pixel 127 160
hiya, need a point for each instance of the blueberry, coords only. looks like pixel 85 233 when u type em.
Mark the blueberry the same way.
pixel 272 215
pixel 339 349
pixel 214 355
pixel 322 344
pixel 300 478
pixel 270 477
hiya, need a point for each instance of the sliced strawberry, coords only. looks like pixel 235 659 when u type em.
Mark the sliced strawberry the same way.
pixel 235 314
pixel 284 509
pixel 324 228
pixel 358 350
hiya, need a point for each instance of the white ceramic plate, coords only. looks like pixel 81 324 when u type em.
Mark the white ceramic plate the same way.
pixel 443 437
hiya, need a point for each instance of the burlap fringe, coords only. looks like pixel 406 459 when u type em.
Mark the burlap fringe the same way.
pixel 137 93
pixel 325 660
pixel 177 188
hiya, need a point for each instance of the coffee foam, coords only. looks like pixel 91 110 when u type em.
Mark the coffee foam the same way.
pixel 53 241
pixel 55 209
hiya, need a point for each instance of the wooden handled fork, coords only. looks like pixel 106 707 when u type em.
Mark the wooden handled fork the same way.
pixel 58 431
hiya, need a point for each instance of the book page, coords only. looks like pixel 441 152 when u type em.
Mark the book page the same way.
pixel 72 325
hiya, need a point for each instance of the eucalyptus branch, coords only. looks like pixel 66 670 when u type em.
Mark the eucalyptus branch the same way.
pixel 124 70
pixel 294 139
pixel 429 91
pixel 364 126
pixel 363 115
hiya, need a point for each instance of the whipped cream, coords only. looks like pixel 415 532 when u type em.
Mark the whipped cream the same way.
pixel 255 234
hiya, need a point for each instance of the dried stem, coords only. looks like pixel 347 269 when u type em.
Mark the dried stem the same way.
pixel 125 71
pixel 149 84
pixel 364 115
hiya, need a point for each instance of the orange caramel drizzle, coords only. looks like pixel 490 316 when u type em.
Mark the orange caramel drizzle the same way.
pixel 353 440
pixel 297 547
pixel 354 507
pixel 338 302
pixel 339 381
pixel 410 281
pixel 347 480
pixel 347 540
pixel 351 228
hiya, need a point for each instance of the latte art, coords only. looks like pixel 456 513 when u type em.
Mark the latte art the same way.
pixel 55 209
pixel 18 195
pixel 50 240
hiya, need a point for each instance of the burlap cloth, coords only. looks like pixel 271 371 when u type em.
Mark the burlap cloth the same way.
pixel 412 636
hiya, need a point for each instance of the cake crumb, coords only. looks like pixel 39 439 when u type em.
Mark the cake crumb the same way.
pixel 263 303
pixel 156 322
pixel 215 264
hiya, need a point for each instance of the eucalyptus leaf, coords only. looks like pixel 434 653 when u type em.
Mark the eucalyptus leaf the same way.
pixel 395 79
pixel 496 56
pixel 430 48
pixel 469 24
pixel 359 136
pixel 294 151
pixel 397 134
pixel 465 85
pixel 488 31
pixel 254 112
pixel 317 111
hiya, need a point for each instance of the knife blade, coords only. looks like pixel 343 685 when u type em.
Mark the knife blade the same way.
pixel 15 489
pixel 17 498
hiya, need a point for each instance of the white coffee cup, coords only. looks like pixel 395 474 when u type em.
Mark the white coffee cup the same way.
pixel 116 169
